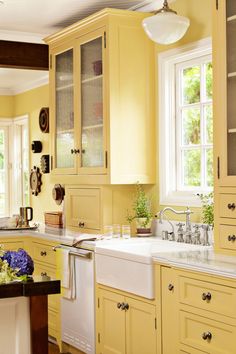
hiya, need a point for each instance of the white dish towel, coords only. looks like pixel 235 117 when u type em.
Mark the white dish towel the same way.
pixel 68 275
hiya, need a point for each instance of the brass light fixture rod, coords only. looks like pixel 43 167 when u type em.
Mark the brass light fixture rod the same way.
pixel 165 8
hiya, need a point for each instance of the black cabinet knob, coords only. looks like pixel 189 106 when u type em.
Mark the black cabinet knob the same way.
pixel 119 305
pixel 206 335
pixel 231 238
pixel 124 306
pixel 43 253
pixel 206 296
pixel 81 224
pixel 231 206
pixel 170 287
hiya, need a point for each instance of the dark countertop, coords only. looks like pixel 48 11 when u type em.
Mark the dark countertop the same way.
pixel 38 285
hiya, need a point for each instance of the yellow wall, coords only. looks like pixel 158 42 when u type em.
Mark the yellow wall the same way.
pixel 200 13
pixel 30 103
pixel 6 106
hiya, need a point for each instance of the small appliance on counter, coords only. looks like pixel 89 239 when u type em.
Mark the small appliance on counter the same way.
pixel 26 215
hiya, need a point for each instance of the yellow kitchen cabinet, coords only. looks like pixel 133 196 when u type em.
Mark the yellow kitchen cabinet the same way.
pixel 169 311
pixel 198 314
pixel 45 265
pixel 88 208
pixel 12 244
pixel 224 111
pixel 102 100
pixel 125 325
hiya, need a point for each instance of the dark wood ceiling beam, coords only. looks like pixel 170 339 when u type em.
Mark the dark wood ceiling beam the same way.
pixel 20 55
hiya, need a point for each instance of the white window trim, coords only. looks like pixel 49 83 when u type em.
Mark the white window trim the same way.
pixel 12 185
pixel 166 87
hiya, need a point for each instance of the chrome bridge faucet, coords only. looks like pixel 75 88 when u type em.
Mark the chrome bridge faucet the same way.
pixel 188 230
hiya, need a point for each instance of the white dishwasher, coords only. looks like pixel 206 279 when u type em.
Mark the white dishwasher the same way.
pixel 78 315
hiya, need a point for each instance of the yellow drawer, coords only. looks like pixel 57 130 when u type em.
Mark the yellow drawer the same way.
pixel 39 269
pixel 227 237
pixel 191 351
pixel 206 334
pixel 44 253
pixel 227 204
pixel 208 296
pixel 12 246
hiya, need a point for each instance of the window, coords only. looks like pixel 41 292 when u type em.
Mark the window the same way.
pixel 14 165
pixel 185 124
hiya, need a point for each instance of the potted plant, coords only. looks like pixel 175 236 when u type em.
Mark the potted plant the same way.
pixel 141 212
pixel 207 208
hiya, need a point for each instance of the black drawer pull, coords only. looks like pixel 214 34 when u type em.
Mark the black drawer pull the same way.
pixel 231 238
pixel 124 306
pixel 81 224
pixel 170 287
pixel 43 274
pixel 231 206
pixel 206 296
pixel 43 253
pixel 206 335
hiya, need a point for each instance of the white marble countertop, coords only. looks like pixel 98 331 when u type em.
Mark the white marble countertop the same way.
pixel 143 250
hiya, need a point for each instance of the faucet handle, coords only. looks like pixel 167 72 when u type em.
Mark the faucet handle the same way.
pixel 180 226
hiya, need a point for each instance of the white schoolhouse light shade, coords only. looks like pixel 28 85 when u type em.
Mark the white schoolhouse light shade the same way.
pixel 165 27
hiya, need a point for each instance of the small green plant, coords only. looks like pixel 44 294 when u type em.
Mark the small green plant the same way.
pixel 207 208
pixel 141 206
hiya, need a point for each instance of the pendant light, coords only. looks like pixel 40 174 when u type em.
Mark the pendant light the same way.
pixel 165 27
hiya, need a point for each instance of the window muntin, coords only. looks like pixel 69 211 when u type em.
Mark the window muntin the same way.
pixel 194 125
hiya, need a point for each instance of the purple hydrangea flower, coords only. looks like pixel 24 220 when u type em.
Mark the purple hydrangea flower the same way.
pixel 20 259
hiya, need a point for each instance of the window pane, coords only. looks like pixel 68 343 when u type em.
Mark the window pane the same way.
pixel 192 168
pixel 191 126
pixel 209 169
pixel 208 70
pixel 209 124
pixel 191 85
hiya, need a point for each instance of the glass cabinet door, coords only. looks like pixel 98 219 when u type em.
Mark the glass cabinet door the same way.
pixel 91 104
pixel 64 149
pixel 231 85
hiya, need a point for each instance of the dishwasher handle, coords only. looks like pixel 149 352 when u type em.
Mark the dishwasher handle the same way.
pixel 80 253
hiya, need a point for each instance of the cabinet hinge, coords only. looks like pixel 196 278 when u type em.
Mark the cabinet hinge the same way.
pixel 217 4
pixel 106 159
pixel 99 338
pixel 218 167
pixel 51 162
pixel 98 302
pixel 105 39
pixel 155 323
pixel 50 61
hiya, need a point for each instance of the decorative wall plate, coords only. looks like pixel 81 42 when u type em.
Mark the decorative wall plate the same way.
pixel 58 193
pixel 44 119
pixel 35 181
pixel 36 146
pixel 44 164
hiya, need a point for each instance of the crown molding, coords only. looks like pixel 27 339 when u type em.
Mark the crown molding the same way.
pixel 25 87
pixel 25 37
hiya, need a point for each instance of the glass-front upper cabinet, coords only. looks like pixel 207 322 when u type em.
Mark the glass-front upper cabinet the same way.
pixel 63 124
pixel 91 101
pixel 231 85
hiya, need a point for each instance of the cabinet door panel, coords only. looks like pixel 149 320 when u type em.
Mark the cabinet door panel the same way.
pixel 140 327
pixel 64 139
pixel 169 311
pixel 92 103
pixel 111 323
pixel 83 208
